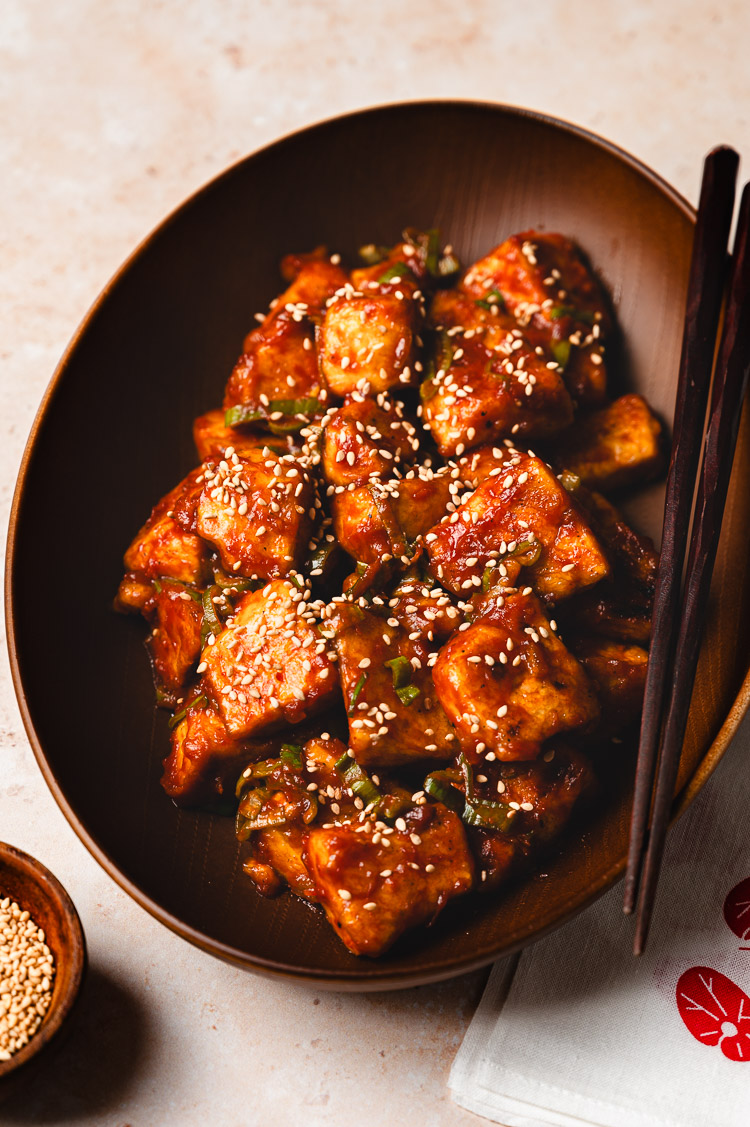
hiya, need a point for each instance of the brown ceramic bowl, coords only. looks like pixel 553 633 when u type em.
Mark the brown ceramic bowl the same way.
pixel 39 893
pixel 114 433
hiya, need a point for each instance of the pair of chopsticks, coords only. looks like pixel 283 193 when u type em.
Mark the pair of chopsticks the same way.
pixel 677 624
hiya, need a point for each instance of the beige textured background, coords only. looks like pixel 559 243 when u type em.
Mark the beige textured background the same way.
pixel 110 114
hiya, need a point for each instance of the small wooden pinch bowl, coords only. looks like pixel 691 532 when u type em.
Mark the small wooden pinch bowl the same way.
pixel 33 887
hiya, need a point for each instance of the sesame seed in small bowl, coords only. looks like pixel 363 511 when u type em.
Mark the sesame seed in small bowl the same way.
pixel 42 963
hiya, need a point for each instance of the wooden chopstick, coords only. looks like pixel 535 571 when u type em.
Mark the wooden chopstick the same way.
pixel 705 291
pixel 730 385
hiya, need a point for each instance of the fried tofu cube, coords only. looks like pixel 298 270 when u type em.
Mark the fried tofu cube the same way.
pixel 615 447
pixel 364 440
pixel 548 287
pixel 369 341
pixel 204 762
pixel 508 683
pixel 543 794
pixel 478 464
pixel 167 544
pixel 369 910
pixel 313 279
pixel 384 519
pixel 176 617
pixel 424 609
pixel 256 511
pixel 269 665
pixel 394 714
pixel 279 363
pixel 618 671
pixel 212 438
pixel 519 514
pixel 403 266
pixel 490 384
pixel 132 594
pixel 633 558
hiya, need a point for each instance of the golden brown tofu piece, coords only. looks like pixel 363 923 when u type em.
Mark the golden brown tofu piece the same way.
pixel 490 384
pixel 212 438
pixel 364 440
pixel 279 364
pixel 424 609
pixel 618 671
pixel 615 447
pixel 483 461
pixel 176 616
pixel 521 514
pixel 313 279
pixel 507 683
pixel 132 594
pixel 256 511
pixel 384 519
pixel 167 544
pixel 204 762
pixel 425 869
pixel 269 665
pixel 394 714
pixel 368 342
pixel 633 558
pixel 545 283
pixel 539 798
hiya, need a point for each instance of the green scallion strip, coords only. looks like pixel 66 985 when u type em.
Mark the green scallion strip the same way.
pixel 557 312
pixel 358 781
pixel 198 702
pixel 407 694
pixel 212 624
pixel 561 353
pixel 357 690
pixel 487 815
pixel 371 254
pixel 397 270
pixel 401 671
pixel 493 297
pixel 242 413
pixel 291 754
pixel 432 251
pixel 440 788
pixel 570 481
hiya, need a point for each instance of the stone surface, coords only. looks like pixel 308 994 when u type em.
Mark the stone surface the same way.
pixel 110 114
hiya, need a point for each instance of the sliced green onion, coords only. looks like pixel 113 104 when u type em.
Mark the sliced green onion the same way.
pixel 557 312
pixel 526 552
pixel 397 270
pixel 407 694
pixel 561 353
pixel 487 577
pixel 493 297
pixel 297 580
pixel 440 787
pixel 371 254
pixel 261 822
pixel 401 671
pixel 448 265
pixel 242 413
pixel 570 481
pixel 357 690
pixel 198 702
pixel 432 251
pixel 358 781
pixel 212 624
pixel 291 754
pixel 487 815
pixel 246 413
pixel 427 389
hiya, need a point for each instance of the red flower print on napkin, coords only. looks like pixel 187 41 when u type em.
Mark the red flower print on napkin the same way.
pixel 737 909
pixel 715 1010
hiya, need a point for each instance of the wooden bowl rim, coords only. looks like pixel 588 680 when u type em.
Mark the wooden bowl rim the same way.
pixel 75 955
pixel 370 976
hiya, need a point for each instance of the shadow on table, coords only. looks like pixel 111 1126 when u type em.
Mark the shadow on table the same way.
pixel 95 1068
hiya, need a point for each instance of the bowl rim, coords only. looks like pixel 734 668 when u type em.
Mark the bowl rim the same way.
pixel 53 890
pixel 371 976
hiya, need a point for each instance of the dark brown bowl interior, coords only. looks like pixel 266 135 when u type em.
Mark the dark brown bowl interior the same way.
pixel 33 887
pixel 115 433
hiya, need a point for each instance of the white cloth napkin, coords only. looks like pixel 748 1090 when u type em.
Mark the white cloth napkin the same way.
pixel 577 1031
